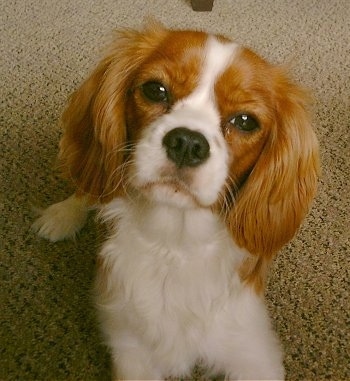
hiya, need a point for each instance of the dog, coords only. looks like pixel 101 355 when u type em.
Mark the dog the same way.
pixel 203 163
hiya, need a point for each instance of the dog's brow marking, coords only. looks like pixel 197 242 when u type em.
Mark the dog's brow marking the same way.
pixel 217 56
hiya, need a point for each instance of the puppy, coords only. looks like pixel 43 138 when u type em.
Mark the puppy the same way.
pixel 202 159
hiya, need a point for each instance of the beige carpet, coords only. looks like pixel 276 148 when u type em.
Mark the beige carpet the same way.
pixel 48 329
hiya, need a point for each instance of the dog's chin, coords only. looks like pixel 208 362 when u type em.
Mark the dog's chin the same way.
pixel 171 193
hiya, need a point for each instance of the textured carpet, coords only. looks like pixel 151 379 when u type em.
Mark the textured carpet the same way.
pixel 48 327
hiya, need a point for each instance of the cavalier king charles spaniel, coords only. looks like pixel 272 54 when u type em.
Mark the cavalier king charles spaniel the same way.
pixel 202 161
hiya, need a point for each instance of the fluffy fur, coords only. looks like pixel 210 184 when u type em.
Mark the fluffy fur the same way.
pixel 202 159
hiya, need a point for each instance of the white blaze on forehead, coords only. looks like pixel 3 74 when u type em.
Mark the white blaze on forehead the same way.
pixel 217 57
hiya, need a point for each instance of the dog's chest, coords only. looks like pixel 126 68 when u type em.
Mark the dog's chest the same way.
pixel 166 271
pixel 157 275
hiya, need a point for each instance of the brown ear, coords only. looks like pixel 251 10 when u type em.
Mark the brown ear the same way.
pixel 93 147
pixel 277 194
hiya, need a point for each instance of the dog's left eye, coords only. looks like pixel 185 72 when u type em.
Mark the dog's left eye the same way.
pixel 155 92
pixel 244 122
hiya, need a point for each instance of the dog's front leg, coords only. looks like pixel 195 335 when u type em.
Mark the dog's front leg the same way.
pixel 63 219
pixel 132 360
pixel 242 344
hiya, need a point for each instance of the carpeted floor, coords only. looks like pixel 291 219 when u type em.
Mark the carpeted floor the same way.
pixel 48 328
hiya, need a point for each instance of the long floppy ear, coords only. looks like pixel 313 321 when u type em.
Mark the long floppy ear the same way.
pixel 272 203
pixel 92 149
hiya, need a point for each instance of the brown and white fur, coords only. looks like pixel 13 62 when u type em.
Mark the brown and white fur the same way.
pixel 202 159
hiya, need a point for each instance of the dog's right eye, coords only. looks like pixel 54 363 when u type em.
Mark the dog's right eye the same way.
pixel 155 92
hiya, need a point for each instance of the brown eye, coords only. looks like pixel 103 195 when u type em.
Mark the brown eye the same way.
pixel 244 122
pixel 155 92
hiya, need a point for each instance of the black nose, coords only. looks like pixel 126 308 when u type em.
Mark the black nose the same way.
pixel 186 148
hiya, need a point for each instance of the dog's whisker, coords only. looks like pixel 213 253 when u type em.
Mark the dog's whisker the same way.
pixel 227 197
pixel 119 172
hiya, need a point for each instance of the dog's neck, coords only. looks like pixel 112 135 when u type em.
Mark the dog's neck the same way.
pixel 167 225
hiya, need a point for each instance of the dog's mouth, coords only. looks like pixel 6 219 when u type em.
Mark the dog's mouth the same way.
pixel 171 191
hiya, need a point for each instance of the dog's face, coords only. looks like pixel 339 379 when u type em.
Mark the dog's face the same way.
pixel 199 114
pixel 195 120
pixel 181 155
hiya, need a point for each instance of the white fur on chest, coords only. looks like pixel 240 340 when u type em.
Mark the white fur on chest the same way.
pixel 170 269
pixel 166 257
pixel 171 295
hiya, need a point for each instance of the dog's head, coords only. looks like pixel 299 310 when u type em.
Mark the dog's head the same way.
pixel 197 121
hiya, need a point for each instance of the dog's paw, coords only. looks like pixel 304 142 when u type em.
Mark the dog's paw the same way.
pixel 62 220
